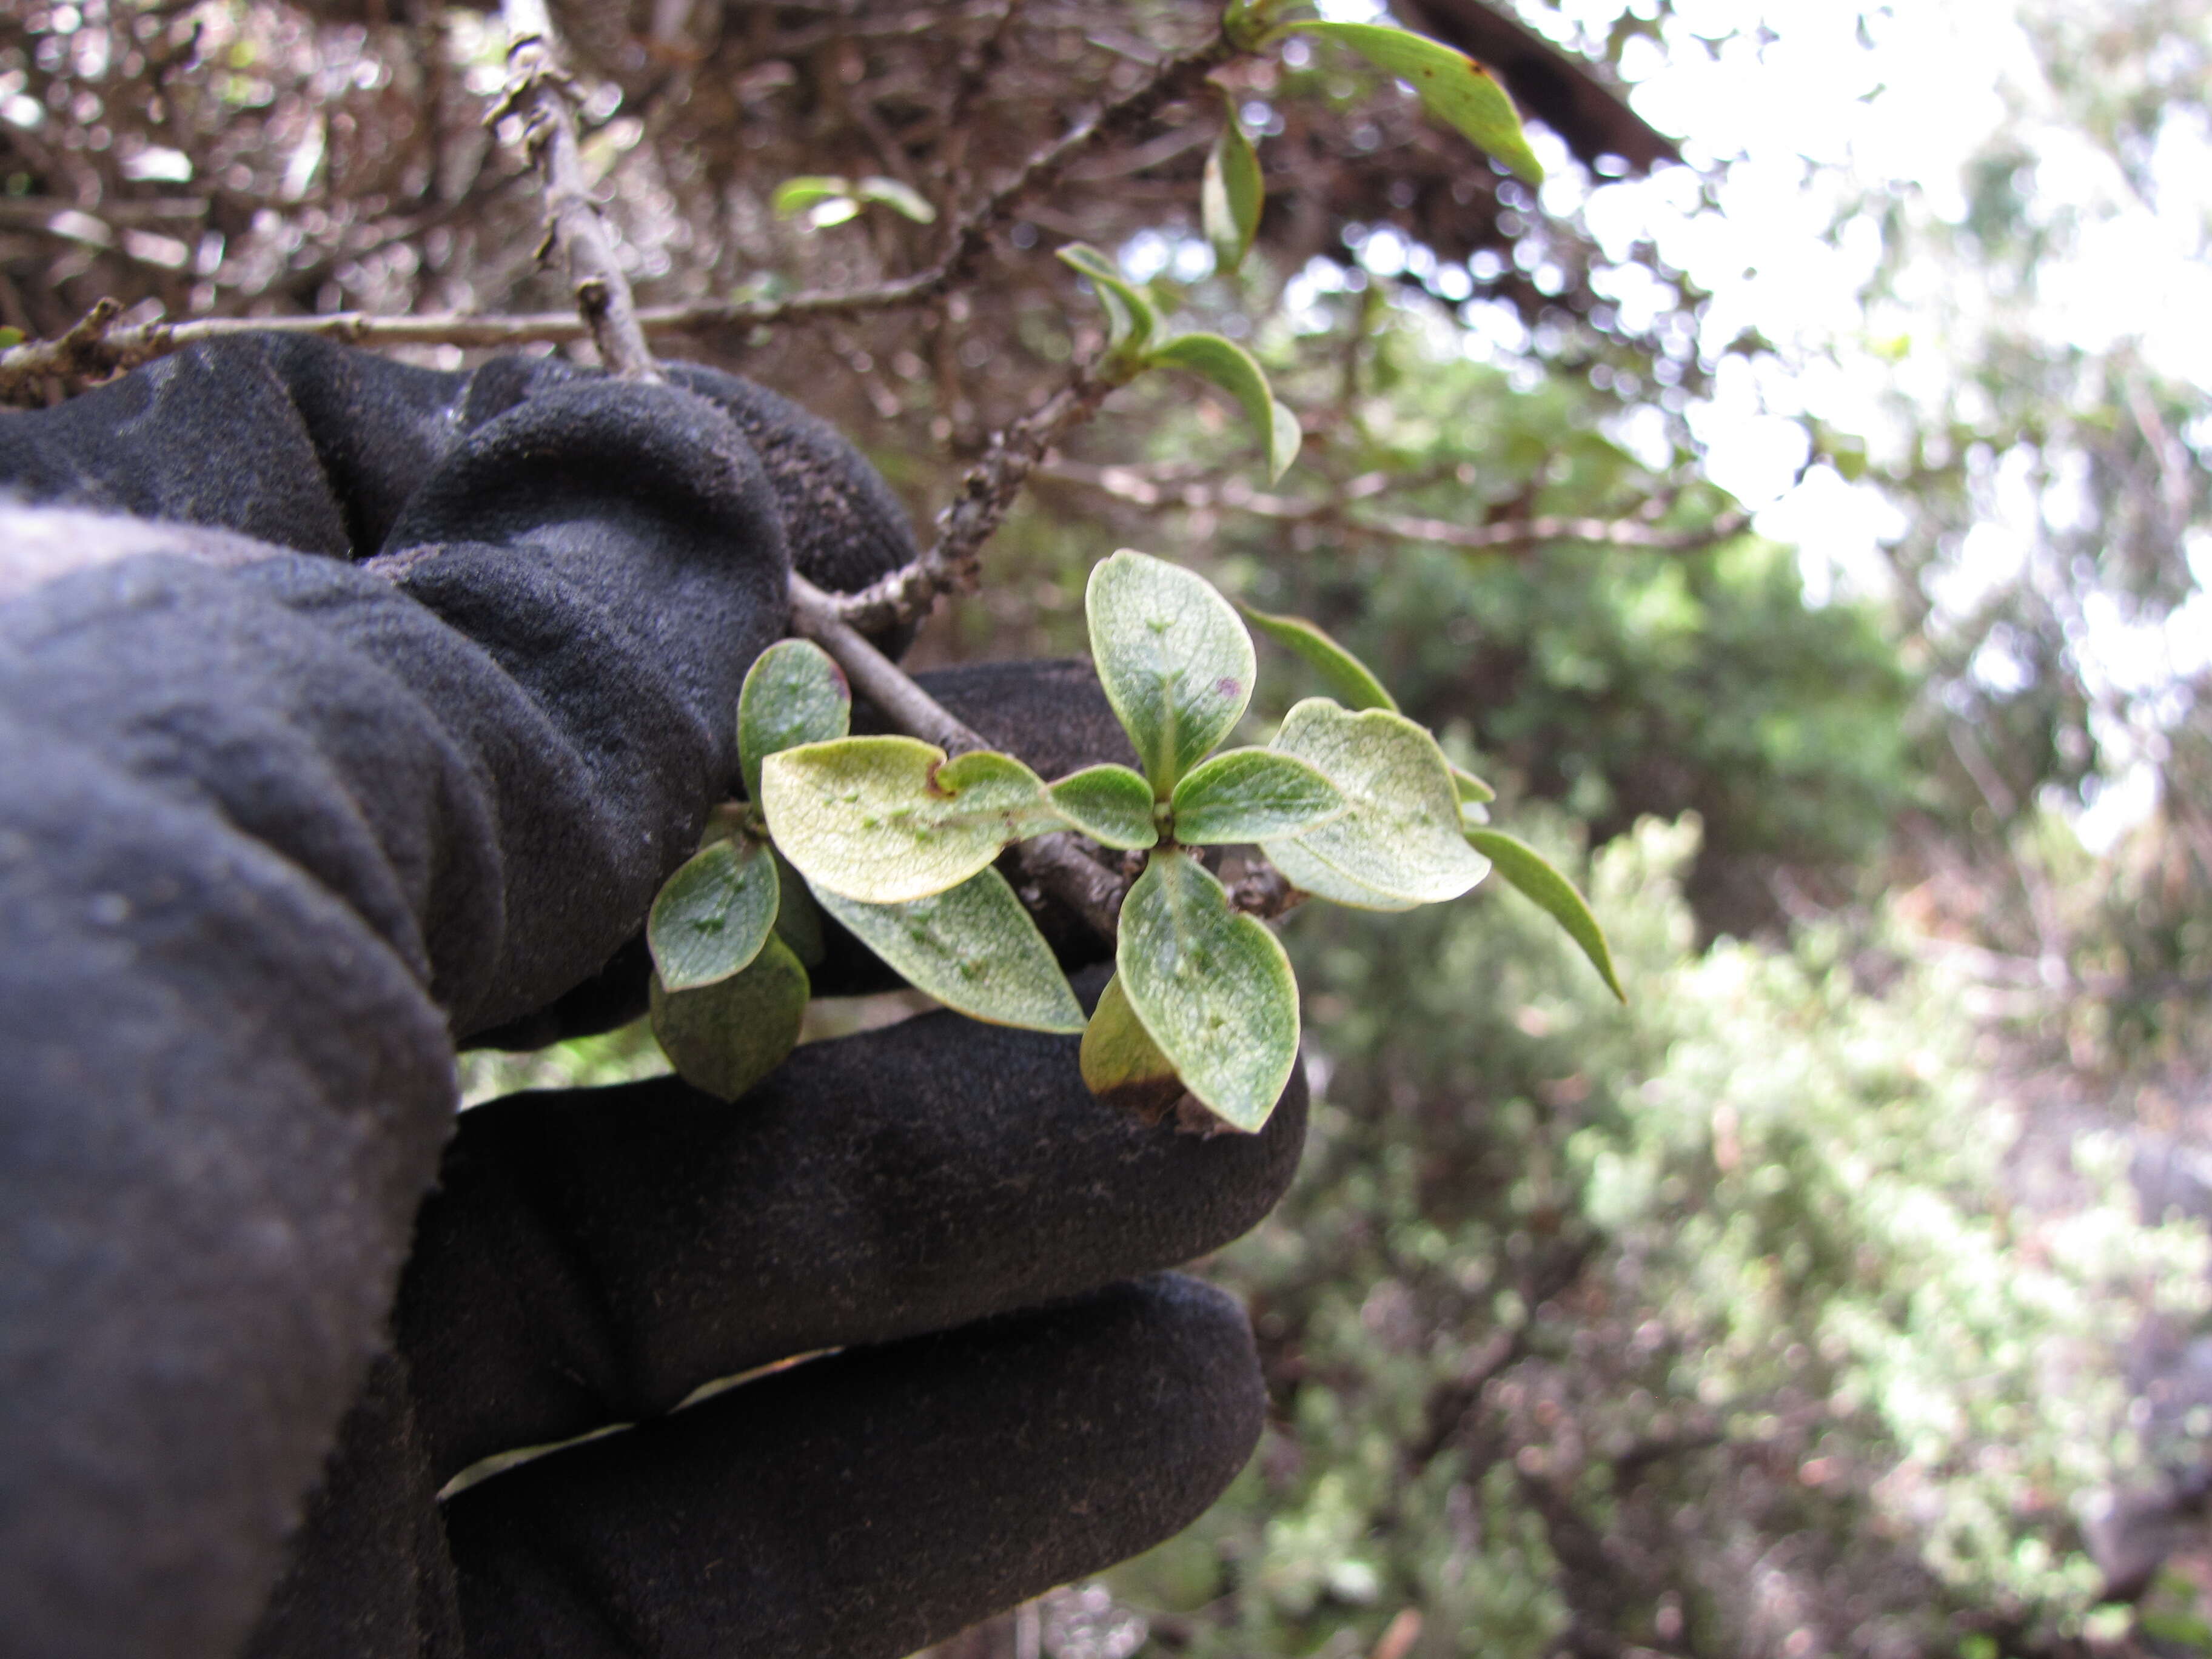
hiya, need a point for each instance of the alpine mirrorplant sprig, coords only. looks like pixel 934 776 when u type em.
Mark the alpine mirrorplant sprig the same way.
pixel 898 841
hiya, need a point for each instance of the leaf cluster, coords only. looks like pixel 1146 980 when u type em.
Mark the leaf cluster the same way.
pixel 899 842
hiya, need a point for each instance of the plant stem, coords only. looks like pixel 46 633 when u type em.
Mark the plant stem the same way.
pixel 1054 863
pixel 540 91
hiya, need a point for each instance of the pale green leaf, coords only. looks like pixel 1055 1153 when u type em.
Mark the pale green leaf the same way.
pixel 1284 439
pixel 886 820
pixel 1111 805
pixel 1251 794
pixel 1212 988
pixel 1177 665
pixel 974 948
pixel 1232 193
pixel 794 196
pixel 1400 843
pixel 793 694
pixel 1131 320
pixel 1452 87
pixel 1121 1063
pixel 1349 680
pixel 709 919
pixel 1528 870
pixel 1236 371
pixel 900 199
pixel 726 1036
pixel 1473 791
pixel 835 211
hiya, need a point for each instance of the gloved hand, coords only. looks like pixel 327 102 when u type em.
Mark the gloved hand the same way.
pixel 278 829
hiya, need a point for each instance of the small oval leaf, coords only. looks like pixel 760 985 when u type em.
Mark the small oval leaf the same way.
pixel 1251 794
pixel 1212 988
pixel 1284 439
pixel 1536 876
pixel 709 919
pixel 1236 371
pixel 1399 842
pixel 726 1036
pixel 1349 680
pixel 887 820
pixel 1121 1064
pixel 1473 791
pixel 1177 665
pixel 972 947
pixel 900 199
pixel 1132 322
pixel 1452 87
pixel 794 196
pixel 1232 193
pixel 793 694
pixel 1111 805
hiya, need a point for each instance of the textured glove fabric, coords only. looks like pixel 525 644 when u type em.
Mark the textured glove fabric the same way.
pixel 272 836
pixel 373 727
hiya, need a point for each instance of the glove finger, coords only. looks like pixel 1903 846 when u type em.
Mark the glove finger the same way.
pixel 591 1257
pixel 871 1503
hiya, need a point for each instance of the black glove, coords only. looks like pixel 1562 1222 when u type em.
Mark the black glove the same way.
pixel 278 828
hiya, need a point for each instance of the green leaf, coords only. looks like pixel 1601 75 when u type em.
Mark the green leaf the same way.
pixel 1349 680
pixel 1251 794
pixel 1473 791
pixel 886 820
pixel 898 197
pixel 1131 320
pixel 1232 193
pixel 1246 22
pixel 10 337
pixel 798 922
pixel 1401 842
pixel 1177 665
pixel 709 919
pixel 1212 988
pixel 1453 86
pixel 974 948
pixel 1284 437
pixel 1528 870
pixel 726 1036
pixel 794 196
pixel 1111 805
pixel 1121 1063
pixel 1234 369
pixel 793 694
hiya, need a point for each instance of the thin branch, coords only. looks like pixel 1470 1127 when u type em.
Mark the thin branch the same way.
pixel 1128 484
pixel 540 91
pixel 1530 533
pixel 106 350
pixel 950 563
pixel 818 615
pixel 1054 863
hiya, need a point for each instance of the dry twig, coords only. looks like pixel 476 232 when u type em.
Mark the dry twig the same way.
pixel 541 93
pixel 1508 535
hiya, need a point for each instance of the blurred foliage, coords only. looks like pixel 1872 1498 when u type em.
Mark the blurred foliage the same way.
pixel 1703 1325
pixel 2052 473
